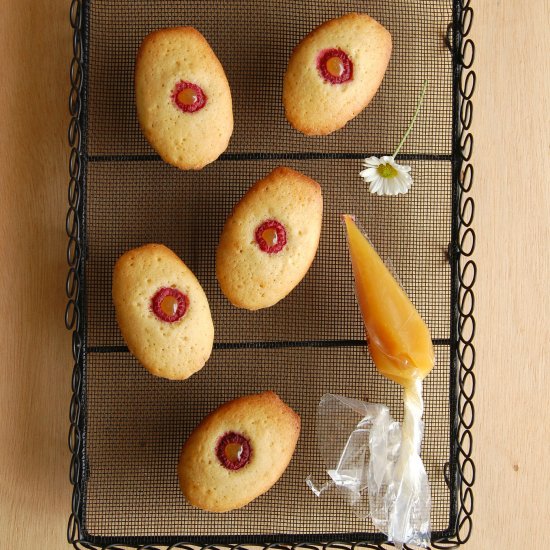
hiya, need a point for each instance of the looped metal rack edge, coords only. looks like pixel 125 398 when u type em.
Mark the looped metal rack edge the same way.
pixel 460 472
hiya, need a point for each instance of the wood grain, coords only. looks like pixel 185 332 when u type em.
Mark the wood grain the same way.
pixel 512 163
pixel 35 361
pixel 512 167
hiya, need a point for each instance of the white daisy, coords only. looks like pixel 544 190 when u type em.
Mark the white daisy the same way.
pixel 385 176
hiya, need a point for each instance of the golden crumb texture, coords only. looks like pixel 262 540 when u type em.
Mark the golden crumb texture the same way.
pixel 186 140
pixel 272 429
pixel 169 350
pixel 316 107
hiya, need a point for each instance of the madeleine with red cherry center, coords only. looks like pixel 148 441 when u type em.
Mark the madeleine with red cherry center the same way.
pixel 183 98
pixel 270 239
pixel 334 73
pixel 162 312
pixel 238 452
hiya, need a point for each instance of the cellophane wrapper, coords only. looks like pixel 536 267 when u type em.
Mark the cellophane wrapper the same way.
pixel 375 462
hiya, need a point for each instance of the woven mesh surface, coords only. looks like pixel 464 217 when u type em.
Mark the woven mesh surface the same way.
pixel 310 343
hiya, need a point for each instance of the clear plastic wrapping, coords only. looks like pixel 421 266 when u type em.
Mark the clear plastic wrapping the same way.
pixel 375 461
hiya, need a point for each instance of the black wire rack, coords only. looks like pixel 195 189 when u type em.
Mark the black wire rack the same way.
pixel 126 427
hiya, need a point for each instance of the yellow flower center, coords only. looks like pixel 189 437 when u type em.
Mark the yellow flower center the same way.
pixel 387 171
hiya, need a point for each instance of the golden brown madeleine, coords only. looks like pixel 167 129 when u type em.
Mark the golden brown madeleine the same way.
pixel 334 73
pixel 238 452
pixel 183 98
pixel 270 239
pixel 162 312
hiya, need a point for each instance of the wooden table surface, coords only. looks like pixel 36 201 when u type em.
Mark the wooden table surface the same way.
pixel 512 184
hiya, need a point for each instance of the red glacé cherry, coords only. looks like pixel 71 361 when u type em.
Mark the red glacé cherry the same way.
pixel 335 66
pixel 169 304
pixel 188 97
pixel 233 451
pixel 271 236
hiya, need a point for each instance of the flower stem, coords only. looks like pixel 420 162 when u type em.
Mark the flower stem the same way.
pixel 413 120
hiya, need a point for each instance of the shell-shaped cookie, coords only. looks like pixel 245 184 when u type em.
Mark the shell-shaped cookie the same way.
pixel 270 240
pixel 162 312
pixel 334 73
pixel 238 452
pixel 183 98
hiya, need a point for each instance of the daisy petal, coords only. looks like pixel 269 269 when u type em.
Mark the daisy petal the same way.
pixel 371 162
pixel 402 187
pixel 406 179
pixel 369 174
pixel 401 178
pixel 373 185
pixel 376 185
